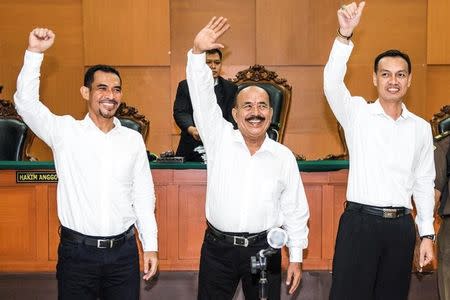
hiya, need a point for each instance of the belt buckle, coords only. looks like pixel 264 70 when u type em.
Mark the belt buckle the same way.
pixel 105 244
pixel 240 241
pixel 390 213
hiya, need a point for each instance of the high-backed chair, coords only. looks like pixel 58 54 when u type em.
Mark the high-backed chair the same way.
pixel 279 91
pixel 440 123
pixel 343 155
pixel 129 117
pixel 15 136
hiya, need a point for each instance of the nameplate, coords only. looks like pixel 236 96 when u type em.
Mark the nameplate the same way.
pixel 36 176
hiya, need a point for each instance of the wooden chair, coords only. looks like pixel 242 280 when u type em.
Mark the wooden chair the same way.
pixel 440 123
pixel 129 117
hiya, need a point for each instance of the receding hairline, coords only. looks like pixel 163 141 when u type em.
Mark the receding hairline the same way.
pixel 253 87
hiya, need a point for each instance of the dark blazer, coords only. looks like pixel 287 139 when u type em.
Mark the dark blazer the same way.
pixel 183 114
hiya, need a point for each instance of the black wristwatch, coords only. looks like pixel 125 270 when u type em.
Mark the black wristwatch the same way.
pixel 428 236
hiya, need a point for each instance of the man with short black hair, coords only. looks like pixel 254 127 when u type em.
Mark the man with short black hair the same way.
pixel 391 159
pixel 105 187
pixel 183 113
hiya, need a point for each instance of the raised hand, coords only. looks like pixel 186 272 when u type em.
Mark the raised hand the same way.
pixel 40 39
pixel 207 37
pixel 349 16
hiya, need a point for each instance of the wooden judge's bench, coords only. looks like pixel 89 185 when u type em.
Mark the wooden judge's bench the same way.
pixel 29 223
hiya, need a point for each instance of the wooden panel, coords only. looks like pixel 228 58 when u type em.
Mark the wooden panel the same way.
pixel 438 32
pixel 138 35
pixel 314 196
pixel 148 89
pixel 62 69
pixel 292 32
pixel 53 224
pixel 18 224
pixel 390 24
pixel 161 220
pixel 340 196
pixel 192 221
pixel 438 89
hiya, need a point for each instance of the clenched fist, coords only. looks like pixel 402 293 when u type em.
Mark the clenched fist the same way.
pixel 40 39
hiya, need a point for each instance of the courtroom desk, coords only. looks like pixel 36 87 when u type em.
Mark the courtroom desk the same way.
pixel 29 223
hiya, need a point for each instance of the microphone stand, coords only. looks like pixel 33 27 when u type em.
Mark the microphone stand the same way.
pixel 276 238
pixel 259 262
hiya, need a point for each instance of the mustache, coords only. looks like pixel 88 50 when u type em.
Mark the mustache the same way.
pixel 393 86
pixel 113 101
pixel 256 117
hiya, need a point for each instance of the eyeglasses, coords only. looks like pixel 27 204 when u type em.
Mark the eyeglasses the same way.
pixel 259 106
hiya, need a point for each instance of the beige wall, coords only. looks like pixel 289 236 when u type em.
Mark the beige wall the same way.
pixel 147 40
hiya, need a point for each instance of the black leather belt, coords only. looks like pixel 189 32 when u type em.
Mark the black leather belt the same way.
pixel 98 242
pixel 384 212
pixel 237 239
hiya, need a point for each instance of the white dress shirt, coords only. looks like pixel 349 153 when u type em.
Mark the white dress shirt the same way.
pixel 104 179
pixel 246 193
pixel 390 160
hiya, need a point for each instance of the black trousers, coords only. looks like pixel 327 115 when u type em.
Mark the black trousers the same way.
pixel 223 265
pixel 373 257
pixel 86 272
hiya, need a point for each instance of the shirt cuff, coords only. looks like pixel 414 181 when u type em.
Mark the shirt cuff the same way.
pixel 33 58
pixel 425 228
pixel 342 50
pixel 295 254
pixel 197 61
pixel 150 244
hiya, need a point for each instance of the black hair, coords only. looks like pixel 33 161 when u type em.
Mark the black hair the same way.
pixel 213 51
pixel 89 75
pixel 392 53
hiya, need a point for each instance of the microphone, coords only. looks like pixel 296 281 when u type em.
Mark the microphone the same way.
pixel 277 238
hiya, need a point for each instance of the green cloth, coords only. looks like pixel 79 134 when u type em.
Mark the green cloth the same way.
pixel 304 166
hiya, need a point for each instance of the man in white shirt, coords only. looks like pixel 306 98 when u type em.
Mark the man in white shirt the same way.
pixel 253 184
pixel 391 159
pixel 105 186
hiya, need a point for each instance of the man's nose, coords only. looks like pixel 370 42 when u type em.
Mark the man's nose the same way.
pixel 393 79
pixel 109 93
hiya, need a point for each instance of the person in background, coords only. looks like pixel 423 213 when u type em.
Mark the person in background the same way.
pixel 182 109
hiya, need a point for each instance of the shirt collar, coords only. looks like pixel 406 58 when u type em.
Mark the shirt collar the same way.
pixel 88 121
pixel 267 146
pixel 376 109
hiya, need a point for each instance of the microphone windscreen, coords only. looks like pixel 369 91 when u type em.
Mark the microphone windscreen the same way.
pixel 277 238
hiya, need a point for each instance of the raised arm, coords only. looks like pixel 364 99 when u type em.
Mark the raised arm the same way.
pixel 335 90
pixel 207 113
pixel 26 98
